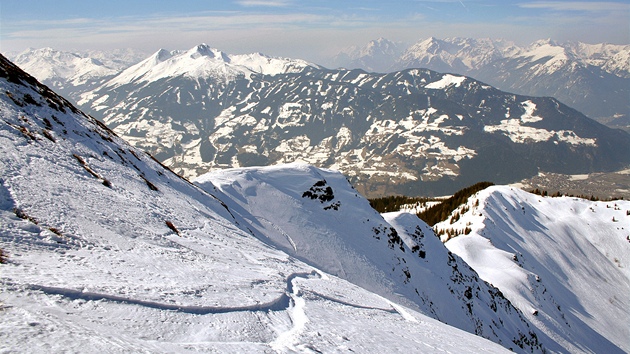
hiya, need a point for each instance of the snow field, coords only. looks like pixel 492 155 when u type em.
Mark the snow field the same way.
pixel 110 252
pixel 562 261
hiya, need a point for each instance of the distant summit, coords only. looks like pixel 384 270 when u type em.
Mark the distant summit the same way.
pixel 377 56
pixel 203 61
pixel 71 73
pixel 593 78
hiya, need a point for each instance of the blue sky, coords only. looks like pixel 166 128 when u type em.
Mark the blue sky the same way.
pixel 302 29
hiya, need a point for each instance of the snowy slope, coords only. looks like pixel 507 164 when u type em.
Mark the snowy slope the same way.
pixel 316 216
pixel 563 261
pixel 110 252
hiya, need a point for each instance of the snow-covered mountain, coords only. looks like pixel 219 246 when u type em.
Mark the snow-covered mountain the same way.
pixel 104 248
pixel 408 132
pixel 205 62
pixel 378 55
pixel 565 72
pixel 317 217
pixel 72 73
pixel 454 55
pixel 593 78
pixel 563 261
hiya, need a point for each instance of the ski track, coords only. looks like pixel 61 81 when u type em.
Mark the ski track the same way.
pixel 277 228
pixel 346 303
pixel 296 312
pixel 282 303
pixel 279 304
pixel 291 301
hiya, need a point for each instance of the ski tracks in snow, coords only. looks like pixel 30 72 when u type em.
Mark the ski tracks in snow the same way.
pixel 287 340
pixel 291 301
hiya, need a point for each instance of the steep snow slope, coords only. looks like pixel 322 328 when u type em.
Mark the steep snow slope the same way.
pixel 316 216
pixel 563 261
pixel 110 252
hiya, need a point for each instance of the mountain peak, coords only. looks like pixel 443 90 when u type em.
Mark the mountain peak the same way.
pixel 546 41
pixel 204 50
pixel 162 55
pixel 203 61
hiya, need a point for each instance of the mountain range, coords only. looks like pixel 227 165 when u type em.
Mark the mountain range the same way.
pixel 410 132
pixel 105 248
pixel 71 73
pixel 592 78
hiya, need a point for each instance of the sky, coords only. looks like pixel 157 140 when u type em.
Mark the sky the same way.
pixel 313 30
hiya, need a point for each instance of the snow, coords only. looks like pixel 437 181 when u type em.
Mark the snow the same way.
pixel 60 68
pixel 203 61
pixel 341 235
pixel 580 177
pixel 545 49
pixel 446 81
pixel 521 134
pixel 528 116
pixel 287 258
pixel 562 261
pixel 94 264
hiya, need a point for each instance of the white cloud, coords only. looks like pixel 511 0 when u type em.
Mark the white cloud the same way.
pixel 590 6
pixel 264 3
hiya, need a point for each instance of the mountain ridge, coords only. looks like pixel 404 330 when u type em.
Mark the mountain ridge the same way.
pixel 527 238
pixel 353 121
pixel 573 72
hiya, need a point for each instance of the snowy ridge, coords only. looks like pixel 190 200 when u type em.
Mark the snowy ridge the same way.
pixel 317 217
pixel 73 73
pixel 563 261
pixel 460 53
pixel 108 250
pixel 203 61
pixel 46 64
